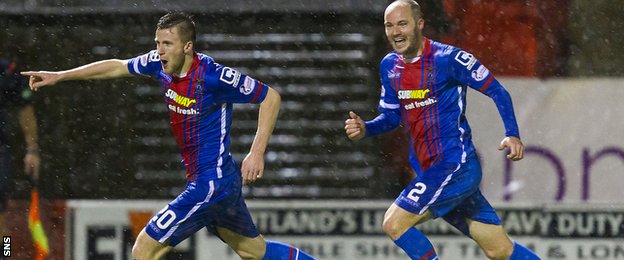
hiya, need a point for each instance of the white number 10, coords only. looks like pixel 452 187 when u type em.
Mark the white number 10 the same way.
pixel 169 215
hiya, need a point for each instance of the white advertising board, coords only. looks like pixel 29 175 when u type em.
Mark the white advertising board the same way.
pixel 573 130
pixel 336 230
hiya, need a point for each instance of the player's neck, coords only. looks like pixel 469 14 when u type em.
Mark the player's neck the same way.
pixel 188 62
pixel 421 46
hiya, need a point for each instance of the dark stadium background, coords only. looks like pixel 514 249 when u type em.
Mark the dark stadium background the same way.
pixel 110 139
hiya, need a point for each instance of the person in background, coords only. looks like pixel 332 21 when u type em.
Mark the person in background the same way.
pixel 15 96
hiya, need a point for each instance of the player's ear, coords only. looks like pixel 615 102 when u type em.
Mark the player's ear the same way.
pixel 188 47
pixel 420 23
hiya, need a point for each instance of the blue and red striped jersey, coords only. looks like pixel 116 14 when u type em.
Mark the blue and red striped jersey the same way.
pixel 200 109
pixel 429 94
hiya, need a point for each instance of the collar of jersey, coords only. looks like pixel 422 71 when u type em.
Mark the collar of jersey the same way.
pixel 425 51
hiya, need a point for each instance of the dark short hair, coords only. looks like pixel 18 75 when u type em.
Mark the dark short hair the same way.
pixel 182 20
pixel 416 11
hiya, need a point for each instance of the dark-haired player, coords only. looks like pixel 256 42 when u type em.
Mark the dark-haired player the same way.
pixel 199 94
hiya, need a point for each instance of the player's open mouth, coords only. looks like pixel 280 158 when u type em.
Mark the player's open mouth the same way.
pixel 399 41
pixel 164 63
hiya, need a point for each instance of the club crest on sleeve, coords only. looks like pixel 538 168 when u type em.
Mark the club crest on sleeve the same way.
pixel 248 86
pixel 481 73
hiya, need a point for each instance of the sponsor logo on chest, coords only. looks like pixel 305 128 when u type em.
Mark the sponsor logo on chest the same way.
pixel 417 104
pixel 413 93
pixel 419 96
pixel 180 100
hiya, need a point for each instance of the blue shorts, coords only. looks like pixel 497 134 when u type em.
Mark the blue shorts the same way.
pixel 204 203
pixel 450 191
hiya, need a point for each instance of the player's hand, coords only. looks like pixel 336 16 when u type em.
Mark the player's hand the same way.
pixel 32 162
pixel 355 127
pixel 516 148
pixel 252 168
pixel 39 79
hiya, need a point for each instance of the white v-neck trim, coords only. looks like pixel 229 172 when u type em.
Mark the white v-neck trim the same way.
pixel 413 60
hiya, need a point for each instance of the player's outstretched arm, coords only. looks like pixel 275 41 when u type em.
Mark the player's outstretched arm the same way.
pixel 253 165
pixel 355 127
pixel 516 148
pixel 105 69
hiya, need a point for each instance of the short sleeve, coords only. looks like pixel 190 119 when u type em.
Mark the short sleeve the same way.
pixel 147 64
pixel 231 86
pixel 467 70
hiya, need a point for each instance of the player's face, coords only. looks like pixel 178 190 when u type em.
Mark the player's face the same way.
pixel 403 31
pixel 171 49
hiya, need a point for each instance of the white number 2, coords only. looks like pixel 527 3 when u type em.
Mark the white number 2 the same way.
pixel 419 189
